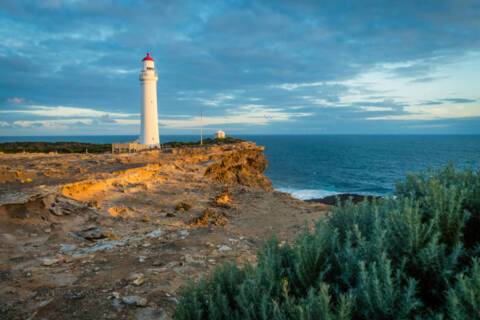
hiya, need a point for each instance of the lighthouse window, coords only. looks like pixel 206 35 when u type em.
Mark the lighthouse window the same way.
pixel 149 68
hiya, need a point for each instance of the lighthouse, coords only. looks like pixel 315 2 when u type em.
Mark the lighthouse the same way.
pixel 149 123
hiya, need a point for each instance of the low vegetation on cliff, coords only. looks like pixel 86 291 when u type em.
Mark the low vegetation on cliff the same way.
pixel 415 255
pixel 82 147
pixel 60 147
pixel 205 142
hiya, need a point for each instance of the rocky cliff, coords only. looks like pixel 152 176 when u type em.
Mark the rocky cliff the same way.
pixel 242 166
pixel 115 236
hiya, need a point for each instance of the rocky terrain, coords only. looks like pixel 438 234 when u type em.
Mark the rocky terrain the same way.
pixel 344 197
pixel 106 236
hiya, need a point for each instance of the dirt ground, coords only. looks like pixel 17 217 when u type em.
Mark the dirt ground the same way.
pixel 115 236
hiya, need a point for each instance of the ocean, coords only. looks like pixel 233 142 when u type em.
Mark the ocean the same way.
pixel 315 166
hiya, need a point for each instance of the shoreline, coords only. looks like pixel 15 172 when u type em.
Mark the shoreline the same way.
pixel 343 198
pixel 65 147
pixel 328 197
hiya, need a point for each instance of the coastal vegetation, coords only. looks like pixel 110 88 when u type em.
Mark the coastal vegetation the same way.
pixel 60 147
pixel 414 255
pixel 82 147
pixel 205 142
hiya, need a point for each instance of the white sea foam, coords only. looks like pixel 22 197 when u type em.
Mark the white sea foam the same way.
pixel 306 194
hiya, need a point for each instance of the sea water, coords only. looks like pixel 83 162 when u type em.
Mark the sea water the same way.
pixel 317 166
pixel 314 166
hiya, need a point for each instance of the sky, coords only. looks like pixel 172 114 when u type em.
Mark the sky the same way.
pixel 250 67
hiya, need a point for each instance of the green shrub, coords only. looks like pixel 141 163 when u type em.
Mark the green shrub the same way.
pixel 464 297
pixel 82 147
pixel 60 147
pixel 413 255
pixel 205 142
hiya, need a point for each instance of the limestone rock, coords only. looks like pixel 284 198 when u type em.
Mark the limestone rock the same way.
pixel 223 200
pixel 183 206
pixel 224 248
pixel 93 233
pixel 183 233
pixel 241 167
pixel 135 301
pixel 49 261
pixel 155 233
pixel 209 217
pixel 137 279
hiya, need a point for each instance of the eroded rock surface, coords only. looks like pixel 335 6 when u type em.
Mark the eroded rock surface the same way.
pixel 244 168
pixel 104 236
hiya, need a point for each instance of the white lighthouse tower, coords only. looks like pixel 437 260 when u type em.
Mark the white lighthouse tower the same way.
pixel 149 123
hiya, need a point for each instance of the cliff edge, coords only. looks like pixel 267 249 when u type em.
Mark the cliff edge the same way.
pixel 244 166
pixel 104 236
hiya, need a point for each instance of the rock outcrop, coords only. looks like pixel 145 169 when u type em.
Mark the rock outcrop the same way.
pixel 344 197
pixel 243 166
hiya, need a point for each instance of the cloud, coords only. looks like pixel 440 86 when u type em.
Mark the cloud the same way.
pixel 66 112
pixel 217 100
pixel 249 115
pixel 447 100
pixel 430 102
pixel 16 100
pixel 294 86
pixel 459 100
pixel 376 109
pixel 424 79
pixel 433 113
pixel 106 118
pixel 64 123
pixel 336 60
pixel 121 71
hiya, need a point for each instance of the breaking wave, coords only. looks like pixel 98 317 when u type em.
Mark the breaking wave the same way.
pixel 307 194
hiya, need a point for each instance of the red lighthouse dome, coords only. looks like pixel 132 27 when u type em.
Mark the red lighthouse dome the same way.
pixel 148 57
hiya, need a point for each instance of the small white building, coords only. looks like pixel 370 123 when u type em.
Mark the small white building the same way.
pixel 220 134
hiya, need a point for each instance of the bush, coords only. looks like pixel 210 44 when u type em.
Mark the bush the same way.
pixel 205 142
pixel 413 255
pixel 60 147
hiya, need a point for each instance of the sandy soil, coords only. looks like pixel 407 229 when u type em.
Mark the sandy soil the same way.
pixel 115 236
